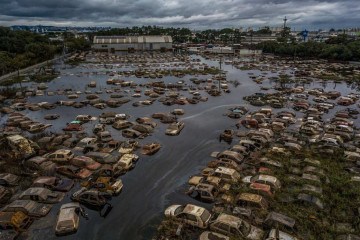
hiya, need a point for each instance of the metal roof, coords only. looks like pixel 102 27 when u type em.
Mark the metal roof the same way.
pixel 131 39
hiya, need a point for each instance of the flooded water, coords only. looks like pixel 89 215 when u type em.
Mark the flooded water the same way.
pixel 159 180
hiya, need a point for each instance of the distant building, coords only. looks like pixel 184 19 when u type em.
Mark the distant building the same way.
pixel 255 39
pixel 132 43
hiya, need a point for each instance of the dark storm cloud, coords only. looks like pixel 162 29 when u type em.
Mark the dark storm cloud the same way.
pixel 188 13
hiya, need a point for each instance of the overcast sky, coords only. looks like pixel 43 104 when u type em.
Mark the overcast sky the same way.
pixel 195 14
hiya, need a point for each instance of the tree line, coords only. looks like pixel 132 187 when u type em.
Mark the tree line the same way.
pixel 20 49
pixel 340 48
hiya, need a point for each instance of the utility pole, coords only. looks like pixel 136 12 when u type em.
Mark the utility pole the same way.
pixel 285 20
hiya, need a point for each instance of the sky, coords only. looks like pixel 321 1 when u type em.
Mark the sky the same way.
pixel 194 14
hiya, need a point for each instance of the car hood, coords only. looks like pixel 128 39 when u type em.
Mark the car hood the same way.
pixel 41 209
pixel 65 185
pixel 170 211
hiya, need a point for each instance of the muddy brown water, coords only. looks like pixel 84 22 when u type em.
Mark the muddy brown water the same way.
pixel 159 180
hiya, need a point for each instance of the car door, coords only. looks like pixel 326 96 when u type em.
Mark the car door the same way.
pixel 222 227
pixel 191 219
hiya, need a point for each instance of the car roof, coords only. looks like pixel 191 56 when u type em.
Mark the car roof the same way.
pixel 229 220
pixel 194 210
pixel 225 170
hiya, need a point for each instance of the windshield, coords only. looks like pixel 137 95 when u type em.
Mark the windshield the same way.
pixel 245 228
pixel 205 215
pixel 108 158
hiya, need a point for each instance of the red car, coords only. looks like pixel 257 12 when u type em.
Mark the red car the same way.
pixel 73 127
pixel 74 172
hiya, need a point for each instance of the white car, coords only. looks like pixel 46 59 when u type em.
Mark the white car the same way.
pixel 190 214
pixel 68 218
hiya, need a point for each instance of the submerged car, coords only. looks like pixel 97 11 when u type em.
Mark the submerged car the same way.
pixel 234 226
pixel 73 171
pixel 29 207
pixel 8 179
pixel 105 184
pixel 91 197
pixel 42 195
pixel 174 128
pixel 151 148
pixel 190 214
pixel 54 183
pixel 68 218
pixel 18 221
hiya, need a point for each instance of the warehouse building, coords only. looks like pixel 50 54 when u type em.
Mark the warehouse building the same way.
pixel 132 43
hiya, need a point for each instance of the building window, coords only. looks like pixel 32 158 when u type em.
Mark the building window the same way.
pixel 103 45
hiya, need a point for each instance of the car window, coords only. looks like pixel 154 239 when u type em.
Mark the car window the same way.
pixel 223 227
pixel 205 194
pixel 191 217
pixel 34 197
pixel 234 231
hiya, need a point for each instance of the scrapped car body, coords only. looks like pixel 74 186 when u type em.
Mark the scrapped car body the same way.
pixel 212 235
pixel 264 179
pixel 8 179
pixel 174 128
pixel 234 226
pixel 131 133
pixel 103 158
pixel 29 207
pixel 60 156
pixel 150 149
pixel 252 200
pixel 36 128
pixel 122 124
pixel 85 162
pixel 73 127
pixel 203 192
pixel 190 214
pixel 128 146
pixel 54 183
pixel 18 221
pixel 105 184
pixel 90 197
pixel 125 163
pixel 275 219
pixel 111 146
pixel 227 174
pixel 68 219
pixel 42 195
pixel 227 154
pixel 74 171
pixel 275 234
pixel 22 145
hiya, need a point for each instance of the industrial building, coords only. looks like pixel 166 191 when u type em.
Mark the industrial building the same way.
pixel 132 43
